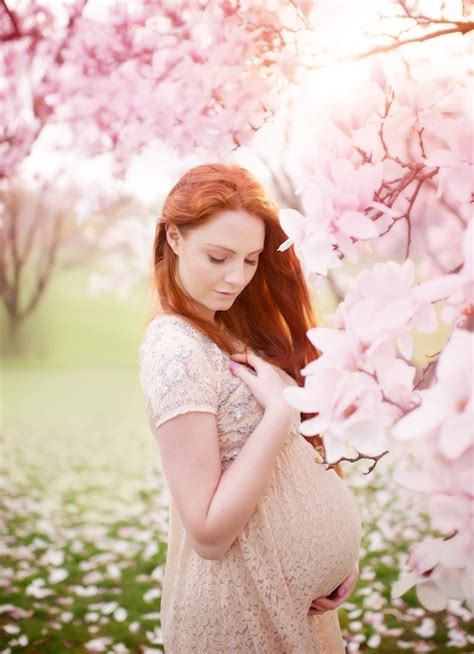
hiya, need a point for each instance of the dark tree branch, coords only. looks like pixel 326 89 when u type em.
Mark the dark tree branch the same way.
pixel 11 18
pixel 359 457
pixel 461 28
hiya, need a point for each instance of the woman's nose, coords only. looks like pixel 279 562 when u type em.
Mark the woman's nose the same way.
pixel 236 275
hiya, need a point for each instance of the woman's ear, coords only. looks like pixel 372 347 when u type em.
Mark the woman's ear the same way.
pixel 172 236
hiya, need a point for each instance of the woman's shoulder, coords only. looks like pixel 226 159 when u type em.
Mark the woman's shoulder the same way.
pixel 172 324
pixel 164 321
pixel 174 332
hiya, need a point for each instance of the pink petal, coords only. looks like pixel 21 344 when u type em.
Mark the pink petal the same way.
pixel 431 596
pixel 357 224
pixel 402 585
pixel 318 253
pixel 300 399
pixel 415 480
pixel 347 247
pixel 285 245
pixel 335 449
pixel 405 344
pixel 316 425
pixel 343 174
pixel 293 223
pixel 407 272
pixel 386 210
pixel 460 183
pixel 425 555
pixel 424 418
pixel 366 436
pixel 394 315
pixel 457 551
pixel 455 365
pixel 424 319
pixel 442 158
pixel 448 512
pixel 326 339
pixel 369 178
pixel 457 435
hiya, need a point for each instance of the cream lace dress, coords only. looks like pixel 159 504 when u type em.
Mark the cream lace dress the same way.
pixel 302 540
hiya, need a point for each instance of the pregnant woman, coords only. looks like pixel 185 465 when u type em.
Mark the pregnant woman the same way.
pixel 263 541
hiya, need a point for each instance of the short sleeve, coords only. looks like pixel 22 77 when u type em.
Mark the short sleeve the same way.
pixel 178 371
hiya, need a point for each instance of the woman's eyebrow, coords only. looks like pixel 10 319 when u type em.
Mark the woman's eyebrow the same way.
pixel 229 250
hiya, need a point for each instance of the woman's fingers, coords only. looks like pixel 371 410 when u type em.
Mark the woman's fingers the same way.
pixel 316 607
pixel 313 609
pixel 346 587
pixel 239 356
pixel 248 357
pixel 322 604
pixel 326 603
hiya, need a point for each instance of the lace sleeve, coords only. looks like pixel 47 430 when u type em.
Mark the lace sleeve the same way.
pixel 178 374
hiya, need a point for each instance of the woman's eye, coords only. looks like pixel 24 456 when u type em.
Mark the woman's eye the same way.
pixel 214 260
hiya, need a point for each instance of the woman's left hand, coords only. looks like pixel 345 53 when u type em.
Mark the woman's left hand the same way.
pixel 337 597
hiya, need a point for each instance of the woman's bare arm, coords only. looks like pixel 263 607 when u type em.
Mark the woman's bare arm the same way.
pixel 214 506
pixel 242 484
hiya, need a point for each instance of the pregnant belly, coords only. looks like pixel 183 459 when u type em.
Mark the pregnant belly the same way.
pixel 310 520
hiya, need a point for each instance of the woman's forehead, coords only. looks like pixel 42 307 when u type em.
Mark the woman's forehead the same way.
pixel 233 230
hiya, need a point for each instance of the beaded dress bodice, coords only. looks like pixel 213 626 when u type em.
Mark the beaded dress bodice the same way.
pixel 210 384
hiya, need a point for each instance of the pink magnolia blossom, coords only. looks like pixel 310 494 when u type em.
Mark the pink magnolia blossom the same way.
pixel 385 302
pixel 386 184
pixel 448 513
pixel 336 203
pixel 447 406
pixel 435 475
pixel 373 323
pixel 456 163
pixel 351 414
pixel 420 99
pixel 443 434
pixel 462 298
pixel 313 245
pixel 352 116
pixel 349 191
pixel 142 72
pixel 342 348
pixel 434 583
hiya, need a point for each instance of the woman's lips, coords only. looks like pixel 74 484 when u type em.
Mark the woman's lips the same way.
pixel 226 294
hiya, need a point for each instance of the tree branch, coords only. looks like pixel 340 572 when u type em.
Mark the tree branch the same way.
pixel 461 27
pixel 15 33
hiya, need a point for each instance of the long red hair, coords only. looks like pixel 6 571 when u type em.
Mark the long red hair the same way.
pixel 274 311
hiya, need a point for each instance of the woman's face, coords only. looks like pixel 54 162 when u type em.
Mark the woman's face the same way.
pixel 217 258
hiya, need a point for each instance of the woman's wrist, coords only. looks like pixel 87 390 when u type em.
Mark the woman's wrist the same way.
pixel 280 410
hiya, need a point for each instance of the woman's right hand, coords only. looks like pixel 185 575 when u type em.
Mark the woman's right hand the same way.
pixel 266 386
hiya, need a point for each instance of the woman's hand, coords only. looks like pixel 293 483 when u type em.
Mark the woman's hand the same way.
pixel 266 385
pixel 337 597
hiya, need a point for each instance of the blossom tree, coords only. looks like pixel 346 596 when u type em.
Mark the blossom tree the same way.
pixel 96 78
pixel 197 73
pixel 388 186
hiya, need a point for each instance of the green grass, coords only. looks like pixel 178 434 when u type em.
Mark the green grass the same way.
pixel 71 328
